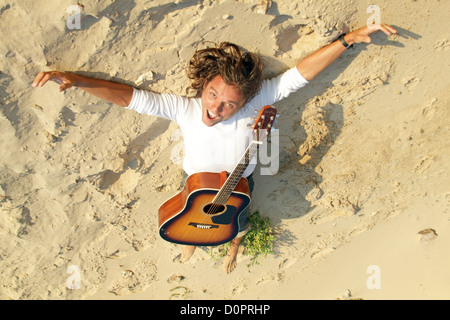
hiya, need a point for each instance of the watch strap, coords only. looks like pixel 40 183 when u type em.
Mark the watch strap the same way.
pixel 344 43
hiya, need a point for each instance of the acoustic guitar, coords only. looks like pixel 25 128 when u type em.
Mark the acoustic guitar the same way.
pixel 206 211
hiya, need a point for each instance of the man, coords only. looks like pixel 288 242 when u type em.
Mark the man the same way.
pixel 228 88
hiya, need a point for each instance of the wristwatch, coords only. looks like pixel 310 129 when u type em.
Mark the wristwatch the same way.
pixel 344 43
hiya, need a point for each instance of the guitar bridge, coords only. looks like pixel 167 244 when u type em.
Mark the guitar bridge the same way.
pixel 203 225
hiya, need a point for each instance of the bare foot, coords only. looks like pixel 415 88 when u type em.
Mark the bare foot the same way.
pixel 186 253
pixel 230 261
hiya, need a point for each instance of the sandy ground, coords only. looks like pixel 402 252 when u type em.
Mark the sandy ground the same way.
pixel 364 153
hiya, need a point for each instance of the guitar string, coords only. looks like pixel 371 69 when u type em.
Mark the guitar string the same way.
pixel 234 178
pixel 240 168
pixel 223 196
pixel 224 193
pixel 248 155
pixel 232 181
pixel 219 200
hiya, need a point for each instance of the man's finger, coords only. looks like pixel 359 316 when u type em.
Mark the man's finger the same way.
pixel 38 79
pixel 45 79
pixel 388 30
pixel 391 29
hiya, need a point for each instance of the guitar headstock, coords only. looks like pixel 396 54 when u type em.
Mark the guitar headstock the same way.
pixel 264 122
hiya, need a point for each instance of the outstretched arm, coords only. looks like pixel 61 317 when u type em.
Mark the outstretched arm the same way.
pixel 314 64
pixel 114 92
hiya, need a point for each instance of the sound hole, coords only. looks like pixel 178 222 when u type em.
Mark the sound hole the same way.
pixel 213 208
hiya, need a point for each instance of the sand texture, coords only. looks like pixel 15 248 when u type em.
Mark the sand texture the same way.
pixel 363 162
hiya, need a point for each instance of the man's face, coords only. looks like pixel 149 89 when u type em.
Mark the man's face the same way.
pixel 220 101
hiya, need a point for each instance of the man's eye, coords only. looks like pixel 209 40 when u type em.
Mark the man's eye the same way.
pixel 212 95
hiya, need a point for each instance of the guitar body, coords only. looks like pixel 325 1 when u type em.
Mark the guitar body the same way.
pixel 189 217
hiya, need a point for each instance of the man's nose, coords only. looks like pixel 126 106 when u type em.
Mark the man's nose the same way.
pixel 217 108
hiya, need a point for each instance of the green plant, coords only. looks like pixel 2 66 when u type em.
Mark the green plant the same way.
pixel 257 242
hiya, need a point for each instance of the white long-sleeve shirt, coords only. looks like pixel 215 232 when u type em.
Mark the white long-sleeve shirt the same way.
pixel 220 147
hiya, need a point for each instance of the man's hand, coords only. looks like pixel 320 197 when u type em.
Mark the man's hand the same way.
pixel 363 34
pixel 315 63
pixel 114 92
pixel 65 80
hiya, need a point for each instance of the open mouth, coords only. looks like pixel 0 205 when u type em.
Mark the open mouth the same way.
pixel 210 115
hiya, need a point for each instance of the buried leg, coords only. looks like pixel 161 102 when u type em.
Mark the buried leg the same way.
pixel 230 261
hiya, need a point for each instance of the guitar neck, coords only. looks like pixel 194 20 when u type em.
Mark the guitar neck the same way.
pixel 233 179
pixel 261 129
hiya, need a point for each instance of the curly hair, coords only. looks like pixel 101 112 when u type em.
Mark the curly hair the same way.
pixel 243 70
